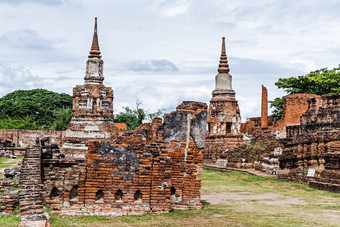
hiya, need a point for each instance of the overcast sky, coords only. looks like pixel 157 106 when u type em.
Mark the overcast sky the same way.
pixel 164 52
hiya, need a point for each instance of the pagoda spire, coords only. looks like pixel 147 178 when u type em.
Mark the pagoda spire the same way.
pixel 95 52
pixel 223 85
pixel 223 67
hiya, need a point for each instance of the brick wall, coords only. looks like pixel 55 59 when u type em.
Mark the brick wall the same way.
pixel 294 106
pixel 314 145
pixel 9 198
pixel 24 138
pixel 155 168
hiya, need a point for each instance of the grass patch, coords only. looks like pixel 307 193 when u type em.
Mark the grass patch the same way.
pixel 234 212
pixel 9 221
pixel 9 162
pixel 136 218
pixel 65 221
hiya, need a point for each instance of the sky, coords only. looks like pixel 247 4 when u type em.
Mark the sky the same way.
pixel 163 52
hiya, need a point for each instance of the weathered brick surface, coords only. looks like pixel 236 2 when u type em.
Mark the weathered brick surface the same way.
pixel 314 145
pixel 294 106
pixel 9 198
pixel 223 128
pixel 264 108
pixel 26 138
pixel 10 151
pixel 31 193
pixel 161 162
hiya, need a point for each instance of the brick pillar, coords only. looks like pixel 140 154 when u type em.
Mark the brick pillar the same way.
pixel 264 108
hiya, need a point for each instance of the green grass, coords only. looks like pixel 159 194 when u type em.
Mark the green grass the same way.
pixel 244 212
pixel 9 162
pixel 10 221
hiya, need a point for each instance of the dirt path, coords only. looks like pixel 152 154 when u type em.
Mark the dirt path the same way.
pixel 245 197
pixel 272 201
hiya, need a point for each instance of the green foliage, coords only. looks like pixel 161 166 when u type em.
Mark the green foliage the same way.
pixel 278 107
pixel 61 119
pixel 129 117
pixel 23 123
pixel 159 112
pixel 134 117
pixel 35 109
pixel 319 82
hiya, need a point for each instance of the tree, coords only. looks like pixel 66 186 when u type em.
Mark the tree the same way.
pixel 62 119
pixel 319 82
pixel 34 109
pixel 135 117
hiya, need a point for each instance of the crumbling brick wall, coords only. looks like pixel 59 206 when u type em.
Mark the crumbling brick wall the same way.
pixel 294 106
pixel 314 146
pixel 155 168
pixel 9 196
pixel 24 138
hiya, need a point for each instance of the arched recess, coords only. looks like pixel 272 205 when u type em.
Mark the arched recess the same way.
pixel 119 196
pixel 74 193
pixel 173 195
pixel 54 194
pixel 99 196
pixel 172 191
pixel 138 196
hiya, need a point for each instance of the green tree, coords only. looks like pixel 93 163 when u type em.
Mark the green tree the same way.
pixel 129 117
pixel 33 109
pixel 319 82
pixel 62 119
pixel 135 117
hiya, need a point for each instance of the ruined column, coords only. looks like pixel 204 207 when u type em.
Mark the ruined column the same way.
pixel 264 108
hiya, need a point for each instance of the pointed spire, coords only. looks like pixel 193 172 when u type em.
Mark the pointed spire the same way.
pixel 95 52
pixel 223 67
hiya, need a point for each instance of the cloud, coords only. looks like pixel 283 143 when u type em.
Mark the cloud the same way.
pixel 26 39
pixel 251 66
pixel 152 66
pixel 14 78
pixel 45 2
pixel 174 8
pixel 266 40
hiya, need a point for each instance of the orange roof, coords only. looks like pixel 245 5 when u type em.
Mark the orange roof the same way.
pixel 121 126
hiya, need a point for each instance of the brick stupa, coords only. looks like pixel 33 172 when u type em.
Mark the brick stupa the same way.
pixel 92 111
pixel 224 118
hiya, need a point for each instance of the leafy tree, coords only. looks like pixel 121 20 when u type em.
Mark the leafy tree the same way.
pixel 34 109
pixel 278 107
pixel 24 123
pixel 134 117
pixel 62 119
pixel 128 117
pixel 319 82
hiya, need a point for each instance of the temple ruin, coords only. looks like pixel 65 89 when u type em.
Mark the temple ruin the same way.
pixel 311 150
pixel 92 110
pixel 99 168
pixel 155 168
pixel 224 118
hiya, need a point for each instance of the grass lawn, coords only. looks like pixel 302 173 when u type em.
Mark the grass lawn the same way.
pixel 236 199
pixel 8 163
